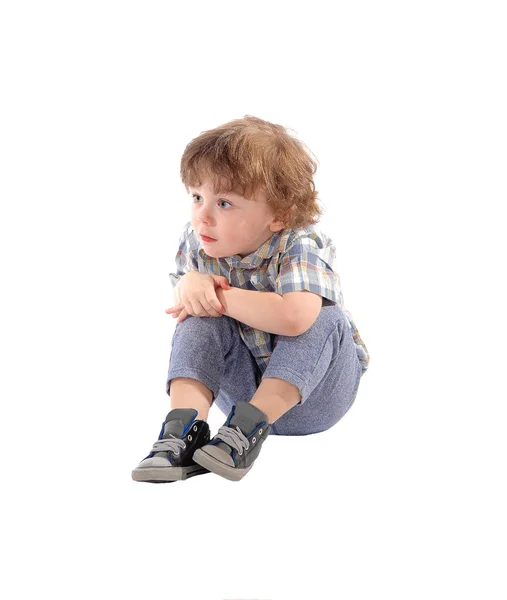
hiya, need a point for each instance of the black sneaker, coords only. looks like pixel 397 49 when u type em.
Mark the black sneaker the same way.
pixel 233 450
pixel 171 456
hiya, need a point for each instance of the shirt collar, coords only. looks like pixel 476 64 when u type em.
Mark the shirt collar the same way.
pixel 255 259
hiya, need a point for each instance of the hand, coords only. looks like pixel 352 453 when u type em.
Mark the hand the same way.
pixel 196 296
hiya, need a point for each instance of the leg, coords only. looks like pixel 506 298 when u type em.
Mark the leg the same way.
pixel 210 358
pixel 210 363
pixel 207 355
pixel 192 393
pixel 322 365
pixel 309 384
pixel 275 397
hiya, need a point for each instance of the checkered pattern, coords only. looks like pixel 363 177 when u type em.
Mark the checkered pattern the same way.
pixel 291 260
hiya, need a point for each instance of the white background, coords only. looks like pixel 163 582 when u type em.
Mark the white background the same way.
pixel 403 103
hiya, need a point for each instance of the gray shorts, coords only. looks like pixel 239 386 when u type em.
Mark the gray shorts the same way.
pixel 322 363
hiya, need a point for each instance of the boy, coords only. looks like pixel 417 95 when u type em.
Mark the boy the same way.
pixel 260 326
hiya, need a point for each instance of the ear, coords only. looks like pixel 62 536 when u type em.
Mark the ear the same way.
pixel 276 225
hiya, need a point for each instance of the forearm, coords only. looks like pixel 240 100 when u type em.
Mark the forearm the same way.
pixel 261 310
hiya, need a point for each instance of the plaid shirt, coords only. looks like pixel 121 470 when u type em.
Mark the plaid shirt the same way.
pixel 291 260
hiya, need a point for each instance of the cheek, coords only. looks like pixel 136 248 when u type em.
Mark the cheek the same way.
pixel 243 227
pixel 240 233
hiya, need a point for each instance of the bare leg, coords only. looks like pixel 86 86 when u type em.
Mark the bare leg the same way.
pixel 190 393
pixel 275 397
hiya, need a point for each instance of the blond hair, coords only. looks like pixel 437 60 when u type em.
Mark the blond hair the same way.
pixel 249 154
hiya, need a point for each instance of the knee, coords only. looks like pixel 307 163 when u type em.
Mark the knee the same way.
pixel 332 317
pixel 203 324
pixel 205 328
pixel 328 327
pixel 333 323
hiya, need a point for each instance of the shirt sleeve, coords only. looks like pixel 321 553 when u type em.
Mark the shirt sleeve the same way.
pixel 307 265
pixel 186 259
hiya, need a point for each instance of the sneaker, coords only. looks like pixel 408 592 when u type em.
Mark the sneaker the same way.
pixel 171 456
pixel 233 450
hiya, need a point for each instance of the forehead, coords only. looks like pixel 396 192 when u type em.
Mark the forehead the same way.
pixel 204 189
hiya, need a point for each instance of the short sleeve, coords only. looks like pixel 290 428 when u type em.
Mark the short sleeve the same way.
pixel 186 259
pixel 307 265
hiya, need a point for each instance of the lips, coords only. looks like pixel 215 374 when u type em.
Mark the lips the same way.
pixel 207 239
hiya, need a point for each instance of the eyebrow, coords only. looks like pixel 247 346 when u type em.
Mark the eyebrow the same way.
pixel 234 194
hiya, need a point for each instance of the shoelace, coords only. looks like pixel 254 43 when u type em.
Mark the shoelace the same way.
pixel 233 437
pixel 172 444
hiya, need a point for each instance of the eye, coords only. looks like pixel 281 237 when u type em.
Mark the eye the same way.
pixel 194 196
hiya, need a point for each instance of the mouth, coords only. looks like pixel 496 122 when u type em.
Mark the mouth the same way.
pixel 205 238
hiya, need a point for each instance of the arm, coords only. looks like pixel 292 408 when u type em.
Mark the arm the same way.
pixel 265 311
pixel 305 307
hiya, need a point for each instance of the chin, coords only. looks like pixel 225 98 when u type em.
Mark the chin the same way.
pixel 213 254
pixel 217 253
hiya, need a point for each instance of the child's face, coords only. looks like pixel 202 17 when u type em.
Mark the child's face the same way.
pixel 239 226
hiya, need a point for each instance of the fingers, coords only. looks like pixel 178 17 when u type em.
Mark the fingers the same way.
pixel 213 302
pixel 183 316
pixel 203 304
pixel 207 310
pixel 212 306
pixel 196 309
pixel 173 309
pixel 221 280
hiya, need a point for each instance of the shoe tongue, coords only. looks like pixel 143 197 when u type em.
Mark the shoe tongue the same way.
pixel 246 416
pixel 176 421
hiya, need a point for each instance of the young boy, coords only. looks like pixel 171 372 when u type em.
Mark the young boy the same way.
pixel 261 329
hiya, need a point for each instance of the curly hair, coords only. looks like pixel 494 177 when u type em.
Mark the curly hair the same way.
pixel 247 155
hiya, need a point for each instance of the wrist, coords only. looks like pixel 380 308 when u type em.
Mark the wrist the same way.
pixel 219 291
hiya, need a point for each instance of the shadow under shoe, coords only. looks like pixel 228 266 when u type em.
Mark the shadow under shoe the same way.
pixel 233 450
pixel 171 456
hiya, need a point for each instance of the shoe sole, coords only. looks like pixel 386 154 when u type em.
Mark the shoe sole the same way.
pixel 167 474
pixel 215 466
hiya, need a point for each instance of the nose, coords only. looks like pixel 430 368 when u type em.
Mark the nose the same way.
pixel 204 213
